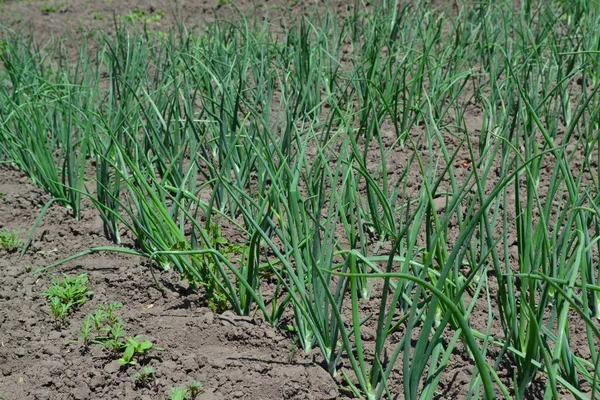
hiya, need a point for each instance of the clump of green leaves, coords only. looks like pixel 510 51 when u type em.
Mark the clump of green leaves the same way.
pixel 85 331
pixel 103 327
pixel 138 348
pixel 10 240
pixel 106 329
pixel 190 392
pixel 66 293
pixel 147 17
pixel 49 9
pixel 217 298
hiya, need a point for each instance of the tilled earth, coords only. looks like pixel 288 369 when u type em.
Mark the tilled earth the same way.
pixel 232 356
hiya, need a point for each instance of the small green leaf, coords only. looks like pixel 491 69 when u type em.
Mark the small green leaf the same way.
pixel 177 394
pixel 146 345
pixel 129 351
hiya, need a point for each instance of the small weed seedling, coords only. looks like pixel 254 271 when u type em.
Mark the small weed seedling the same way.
pixel 105 327
pixel 115 338
pixel 104 318
pixel 10 240
pixel 190 392
pixel 135 347
pixel 141 15
pixel 145 378
pixel 49 9
pixel 217 298
pixel 86 330
pixel 67 293
pixel 59 309
pixel 178 394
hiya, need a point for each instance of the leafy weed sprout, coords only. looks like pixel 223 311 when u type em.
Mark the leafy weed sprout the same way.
pixel 145 377
pixel 190 392
pixel 67 293
pixel 136 348
pixel 10 240
pixel 147 17
pixel 50 9
pixel 103 327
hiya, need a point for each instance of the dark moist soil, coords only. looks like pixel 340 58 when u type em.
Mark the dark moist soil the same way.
pixel 233 357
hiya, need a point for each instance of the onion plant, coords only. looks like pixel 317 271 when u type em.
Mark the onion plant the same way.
pixel 399 155
pixel 45 118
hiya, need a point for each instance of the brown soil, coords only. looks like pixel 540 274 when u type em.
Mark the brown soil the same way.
pixel 232 356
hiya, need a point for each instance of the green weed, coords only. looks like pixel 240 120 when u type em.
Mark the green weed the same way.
pixel 104 328
pixel 136 348
pixel 67 293
pixel 10 240
pixel 190 392
pixel 51 9
pixel 137 15
pixel 86 330
pixel 145 377
pixel 218 300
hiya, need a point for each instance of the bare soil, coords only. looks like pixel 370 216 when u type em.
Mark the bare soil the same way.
pixel 233 357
